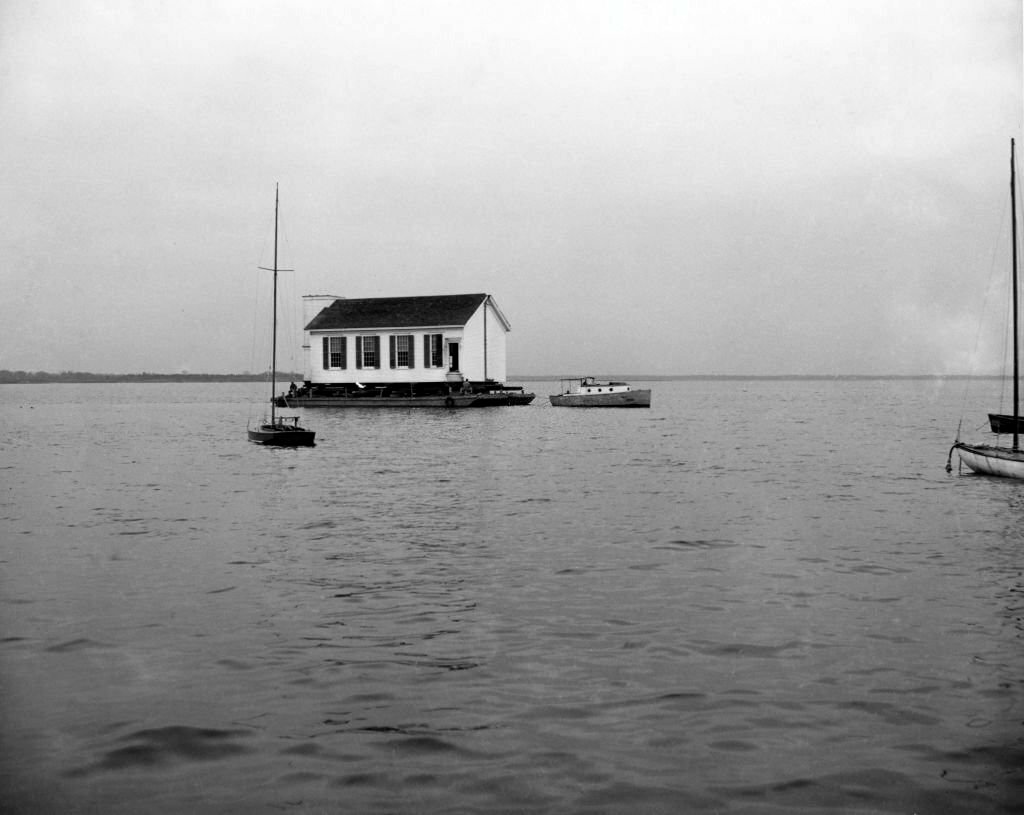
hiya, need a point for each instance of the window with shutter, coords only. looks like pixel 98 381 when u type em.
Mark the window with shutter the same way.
pixel 401 351
pixel 432 347
pixel 368 351
pixel 337 356
pixel 334 356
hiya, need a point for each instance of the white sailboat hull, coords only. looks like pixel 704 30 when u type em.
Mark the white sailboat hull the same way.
pixel 989 460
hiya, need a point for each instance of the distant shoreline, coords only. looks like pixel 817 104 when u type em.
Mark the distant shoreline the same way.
pixel 82 377
pixel 758 377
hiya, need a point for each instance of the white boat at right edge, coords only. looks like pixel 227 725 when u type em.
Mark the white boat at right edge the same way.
pixel 589 393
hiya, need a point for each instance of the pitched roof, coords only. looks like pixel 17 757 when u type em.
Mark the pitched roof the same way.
pixel 397 312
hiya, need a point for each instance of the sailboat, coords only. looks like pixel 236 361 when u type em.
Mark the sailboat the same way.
pixel 278 431
pixel 989 459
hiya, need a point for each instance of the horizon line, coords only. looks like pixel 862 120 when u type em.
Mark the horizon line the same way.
pixel 12 376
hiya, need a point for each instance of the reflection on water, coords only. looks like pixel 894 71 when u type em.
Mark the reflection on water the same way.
pixel 731 603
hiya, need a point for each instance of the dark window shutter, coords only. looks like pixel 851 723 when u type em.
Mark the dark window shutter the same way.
pixel 327 353
pixel 426 350
pixel 344 350
pixel 412 351
pixel 359 352
pixel 391 349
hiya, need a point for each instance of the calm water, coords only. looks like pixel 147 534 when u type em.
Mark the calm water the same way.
pixel 756 597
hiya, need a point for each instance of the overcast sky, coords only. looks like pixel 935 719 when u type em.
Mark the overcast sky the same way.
pixel 683 187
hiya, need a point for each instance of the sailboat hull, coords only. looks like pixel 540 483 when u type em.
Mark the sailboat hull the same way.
pixel 1002 423
pixel 990 460
pixel 282 436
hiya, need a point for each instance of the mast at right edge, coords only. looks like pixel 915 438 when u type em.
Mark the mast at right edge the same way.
pixel 1016 335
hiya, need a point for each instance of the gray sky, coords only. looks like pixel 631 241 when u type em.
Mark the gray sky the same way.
pixel 686 187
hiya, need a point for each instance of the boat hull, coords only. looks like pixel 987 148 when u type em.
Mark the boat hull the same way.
pixel 990 460
pixel 278 436
pixel 455 400
pixel 1003 423
pixel 502 399
pixel 620 399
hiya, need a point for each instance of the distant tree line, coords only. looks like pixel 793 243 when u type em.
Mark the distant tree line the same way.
pixel 33 377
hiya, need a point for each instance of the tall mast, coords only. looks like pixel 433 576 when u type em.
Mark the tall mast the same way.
pixel 1016 335
pixel 273 337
